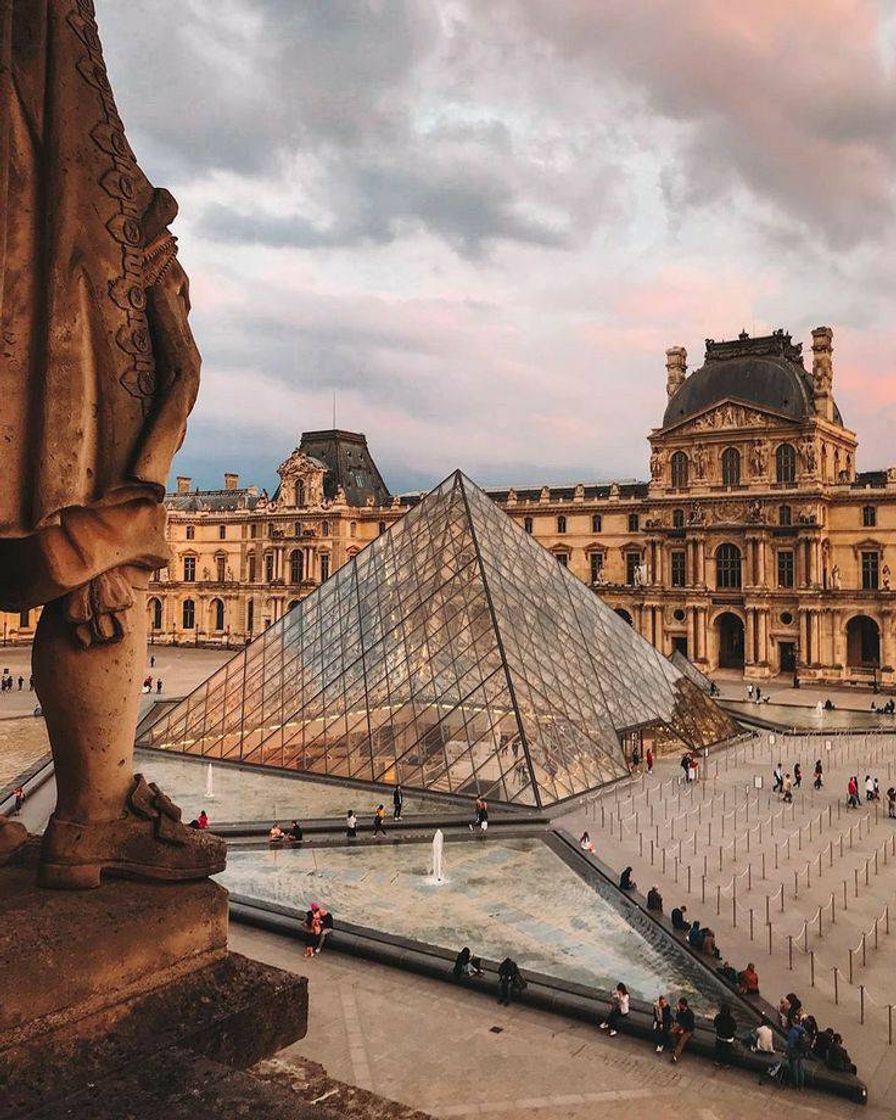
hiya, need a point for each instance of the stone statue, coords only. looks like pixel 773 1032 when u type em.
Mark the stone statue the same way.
pixel 100 371
pixel 656 465
pixel 700 461
pixel 835 577
pixel 807 453
pixel 758 457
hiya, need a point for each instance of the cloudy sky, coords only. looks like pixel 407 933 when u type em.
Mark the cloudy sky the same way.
pixel 481 222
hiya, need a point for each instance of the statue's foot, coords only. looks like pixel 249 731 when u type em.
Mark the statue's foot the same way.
pixel 12 836
pixel 147 842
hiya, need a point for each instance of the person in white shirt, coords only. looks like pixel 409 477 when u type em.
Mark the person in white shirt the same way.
pixel 617 1011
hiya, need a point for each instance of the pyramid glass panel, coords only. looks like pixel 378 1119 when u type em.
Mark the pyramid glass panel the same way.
pixel 453 654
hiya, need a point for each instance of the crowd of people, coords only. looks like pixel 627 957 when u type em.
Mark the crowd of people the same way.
pixel 8 682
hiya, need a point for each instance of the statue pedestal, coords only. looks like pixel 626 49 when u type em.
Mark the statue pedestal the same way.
pixel 99 984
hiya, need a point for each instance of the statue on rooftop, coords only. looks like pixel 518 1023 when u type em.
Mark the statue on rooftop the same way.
pixel 99 373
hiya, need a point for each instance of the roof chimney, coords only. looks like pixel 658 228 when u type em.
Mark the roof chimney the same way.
pixel 231 481
pixel 676 368
pixel 183 484
pixel 823 371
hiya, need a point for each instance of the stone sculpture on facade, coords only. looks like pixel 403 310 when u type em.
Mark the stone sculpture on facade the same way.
pixel 758 458
pixel 99 374
pixel 700 461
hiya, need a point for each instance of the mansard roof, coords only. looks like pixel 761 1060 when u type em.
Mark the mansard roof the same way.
pixel 767 372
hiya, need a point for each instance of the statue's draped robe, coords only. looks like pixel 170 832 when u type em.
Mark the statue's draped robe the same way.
pixel 98 370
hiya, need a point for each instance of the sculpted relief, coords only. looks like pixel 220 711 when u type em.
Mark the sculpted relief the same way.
pixel 302 481
pixel 728 415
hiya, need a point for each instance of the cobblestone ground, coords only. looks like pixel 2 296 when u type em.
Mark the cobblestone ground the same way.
pixel 793 888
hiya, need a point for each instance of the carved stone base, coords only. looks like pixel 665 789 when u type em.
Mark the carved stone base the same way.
pixel 130 980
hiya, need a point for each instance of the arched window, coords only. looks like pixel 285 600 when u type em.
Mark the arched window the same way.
pixel 269 566
pixel 561 524
pixel 189 569
pixel 731 467
pixel 155 614
pixel 296 566
pixel 527 524
pixel 353 528
pixel 785 515
pixel 596 523
pixel 217 613
pixel 300 493
pixel 679 469
pixel 677 518
pixel 785 463
pixel 189 614
pixel 728 566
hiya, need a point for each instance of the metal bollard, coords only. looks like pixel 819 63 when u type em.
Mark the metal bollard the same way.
pixel 864 954
pixel 689 878
pixel 862 1004
pixel 769 928
pixel 718 899
pixel 751 923
pixel 790 952
pixel 651 851
pixel 734 912
pixel 836 985
pixel 703 889
pixel 851 951
pixel 812 968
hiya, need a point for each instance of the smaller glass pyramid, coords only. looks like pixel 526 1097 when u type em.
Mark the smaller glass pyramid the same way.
pixel 455 655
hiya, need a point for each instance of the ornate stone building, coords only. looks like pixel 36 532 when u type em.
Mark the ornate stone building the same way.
pixel 755 545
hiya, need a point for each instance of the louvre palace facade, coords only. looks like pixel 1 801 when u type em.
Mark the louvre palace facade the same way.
pixel 755 545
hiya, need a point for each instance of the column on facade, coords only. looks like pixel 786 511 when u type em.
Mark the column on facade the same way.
pixel 701 561
pixel 886 621
pixel 838 637
pixel 762 550
pixel 701 633
pixel 811 564
pixel 804 641
pixel 815 624
pixel 693 653
pixel 762 642
pixel 750 636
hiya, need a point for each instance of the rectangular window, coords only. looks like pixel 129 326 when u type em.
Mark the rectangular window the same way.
pixel 869 516
pixel 597 567
pixel 563 558
pixel 191 532
pixel 596 523
pixel 632 563
pixel 222 532
pixel 870 571
pixel 253 530
pixel 221 564
pixel 324 566
pixel 189 569
pixel 633 523
pixel 678 565
pixel 785 568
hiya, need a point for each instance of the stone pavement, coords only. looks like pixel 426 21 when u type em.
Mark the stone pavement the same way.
pixel 433 1046
pixel 792 888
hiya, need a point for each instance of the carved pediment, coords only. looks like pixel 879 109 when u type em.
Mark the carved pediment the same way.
pixel 729 415
pixel 301 481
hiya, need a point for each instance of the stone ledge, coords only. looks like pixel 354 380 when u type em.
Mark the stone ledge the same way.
pixel 226 1016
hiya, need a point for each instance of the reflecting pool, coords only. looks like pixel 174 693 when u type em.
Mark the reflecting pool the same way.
pixel 810 719
pixel 500 897
pixel 256 795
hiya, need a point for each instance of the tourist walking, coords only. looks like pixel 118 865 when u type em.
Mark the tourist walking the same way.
pixel 662 1023
pixel 379 821
pixel 778 776
pixel 683 1028
pixel 891 802
pixel 819 774
pixel 648 758
pixel 797 775
pixel 869 788
pixel 351 825
pixel 787 788
pixel 852 790
pixel 749 692
pixel 397 802
pixel 618 1011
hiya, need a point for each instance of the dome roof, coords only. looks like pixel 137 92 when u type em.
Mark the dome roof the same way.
pixel 767 372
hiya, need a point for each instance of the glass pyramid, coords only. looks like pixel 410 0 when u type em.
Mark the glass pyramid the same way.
pixel 455 655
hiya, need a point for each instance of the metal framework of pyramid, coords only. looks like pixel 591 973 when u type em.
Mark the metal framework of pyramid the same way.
pixel 453 654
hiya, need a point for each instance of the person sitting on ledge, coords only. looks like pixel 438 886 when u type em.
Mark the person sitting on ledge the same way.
pixel 295 834
pixel 585 843
pixel 319 923
pixel 202 821
pixel 276 834
pixel 748 981
pixel 709 943
pixel 626 883
pixel 695 936
pixel 728 972
pixel 679 921
pixel 466 965
pixel 654 900
pixel 760 1039
pixel 822 1043
pixel 838 1057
